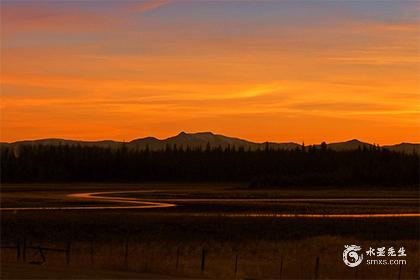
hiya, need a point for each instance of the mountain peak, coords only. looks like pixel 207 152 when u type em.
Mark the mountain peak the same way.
pixel 146 139
pixel 205 133
pixel 354 141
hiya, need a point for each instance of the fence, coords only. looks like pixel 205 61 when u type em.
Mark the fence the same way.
pixel 206 261
pixel 22 248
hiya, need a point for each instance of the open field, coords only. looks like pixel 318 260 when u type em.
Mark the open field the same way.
pixel 203 236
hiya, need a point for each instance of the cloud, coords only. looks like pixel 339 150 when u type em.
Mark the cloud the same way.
pixel 42 18
pixel 343 106
pixel 33 17
pixel 148 5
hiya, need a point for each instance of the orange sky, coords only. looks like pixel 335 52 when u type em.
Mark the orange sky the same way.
pixel 277 71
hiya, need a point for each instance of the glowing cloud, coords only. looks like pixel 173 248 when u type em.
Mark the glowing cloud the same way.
pixel 278 71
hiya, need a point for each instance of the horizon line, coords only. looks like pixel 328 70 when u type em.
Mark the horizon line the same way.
pixel 204 132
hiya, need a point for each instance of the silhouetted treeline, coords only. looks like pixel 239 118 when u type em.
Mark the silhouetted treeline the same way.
pixel 303 166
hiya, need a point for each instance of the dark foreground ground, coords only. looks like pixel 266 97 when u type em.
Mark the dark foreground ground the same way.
pixel 197 240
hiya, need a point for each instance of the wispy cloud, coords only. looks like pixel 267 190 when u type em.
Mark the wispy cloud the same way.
pixel 144 6
pixel 33 16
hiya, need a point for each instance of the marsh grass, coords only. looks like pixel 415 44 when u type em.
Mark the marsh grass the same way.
pixel 171 241
pixel 263 248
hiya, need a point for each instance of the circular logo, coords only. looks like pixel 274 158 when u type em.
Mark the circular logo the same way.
pixel 351 257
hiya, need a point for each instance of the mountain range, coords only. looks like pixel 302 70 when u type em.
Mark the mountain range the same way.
pixel 204 139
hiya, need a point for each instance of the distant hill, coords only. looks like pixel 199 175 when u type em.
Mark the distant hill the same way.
pixel 203 139
pixel 348 145
pixel 193 140
pixel 404 147
pixel 57 141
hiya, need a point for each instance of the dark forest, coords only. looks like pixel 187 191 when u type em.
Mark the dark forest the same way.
pixel 305 166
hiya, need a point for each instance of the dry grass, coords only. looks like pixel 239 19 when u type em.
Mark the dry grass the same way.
pixel 256 259
pixel 171 243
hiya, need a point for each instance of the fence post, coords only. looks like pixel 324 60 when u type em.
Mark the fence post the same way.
pixel 399 272
pixel 91 252
pixel 41 252
pixel 203 259
pixel 24 249
pixel 17 250
pixel 316 268
pixel 68 250
pixel 126 252
pixel 177 258
pixel 236 265
pixel 281 268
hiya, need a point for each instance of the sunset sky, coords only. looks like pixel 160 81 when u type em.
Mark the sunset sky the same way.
pixel 261 70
